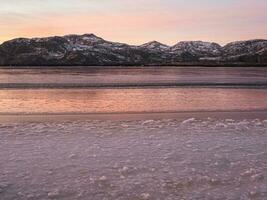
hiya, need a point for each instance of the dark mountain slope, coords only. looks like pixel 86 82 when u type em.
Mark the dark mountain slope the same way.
pixel 89 49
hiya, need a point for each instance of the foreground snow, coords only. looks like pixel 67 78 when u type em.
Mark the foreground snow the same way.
pixel 163 159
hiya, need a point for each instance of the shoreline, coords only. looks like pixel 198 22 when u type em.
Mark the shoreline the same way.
pixel 21 86
pixel 179 116
pixel 133 86
pixel 159 159
pixel 193 65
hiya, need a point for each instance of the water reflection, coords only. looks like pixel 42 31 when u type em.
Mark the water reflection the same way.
pixel 131 100
pixel 135 75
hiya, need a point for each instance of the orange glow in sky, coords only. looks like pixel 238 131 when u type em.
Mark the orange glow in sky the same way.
pixel 136 22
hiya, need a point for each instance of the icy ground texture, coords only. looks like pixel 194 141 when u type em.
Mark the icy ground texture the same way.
pixel 166 159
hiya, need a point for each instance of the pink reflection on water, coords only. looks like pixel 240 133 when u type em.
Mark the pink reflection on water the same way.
pixel 131 100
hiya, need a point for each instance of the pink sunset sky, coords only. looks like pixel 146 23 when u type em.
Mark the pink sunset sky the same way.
pixel 136 21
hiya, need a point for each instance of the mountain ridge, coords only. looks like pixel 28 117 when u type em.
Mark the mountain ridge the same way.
pixel 89 49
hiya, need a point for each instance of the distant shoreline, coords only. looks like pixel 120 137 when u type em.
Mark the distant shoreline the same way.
pixel 19 86
pixel 45 117
pixel 132 66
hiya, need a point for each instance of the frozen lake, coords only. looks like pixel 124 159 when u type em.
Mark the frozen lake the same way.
pixel 130 100
pixel 137 133
pixel 140 159
pixel 132 90
pixel 132 76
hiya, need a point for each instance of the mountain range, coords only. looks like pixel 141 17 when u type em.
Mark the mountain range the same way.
pixel 91 50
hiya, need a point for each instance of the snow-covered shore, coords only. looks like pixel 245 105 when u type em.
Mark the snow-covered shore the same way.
pixel 135 159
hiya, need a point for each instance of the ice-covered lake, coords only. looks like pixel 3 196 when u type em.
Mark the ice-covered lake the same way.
pixel 133 133
pixel 136 159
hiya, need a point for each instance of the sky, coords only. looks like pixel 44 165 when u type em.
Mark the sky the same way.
pixel 136 21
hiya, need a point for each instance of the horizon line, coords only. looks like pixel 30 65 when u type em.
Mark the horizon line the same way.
pixel 170 45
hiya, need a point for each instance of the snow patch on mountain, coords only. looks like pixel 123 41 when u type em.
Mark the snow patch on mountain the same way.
pixel 155 45
pixel 198 48
pixel 245 47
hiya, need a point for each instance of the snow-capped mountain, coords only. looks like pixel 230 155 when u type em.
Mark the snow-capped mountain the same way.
pixel 89 49
pixel 155 46
pixel 254 51
pixel 244 47
pixel 198 48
